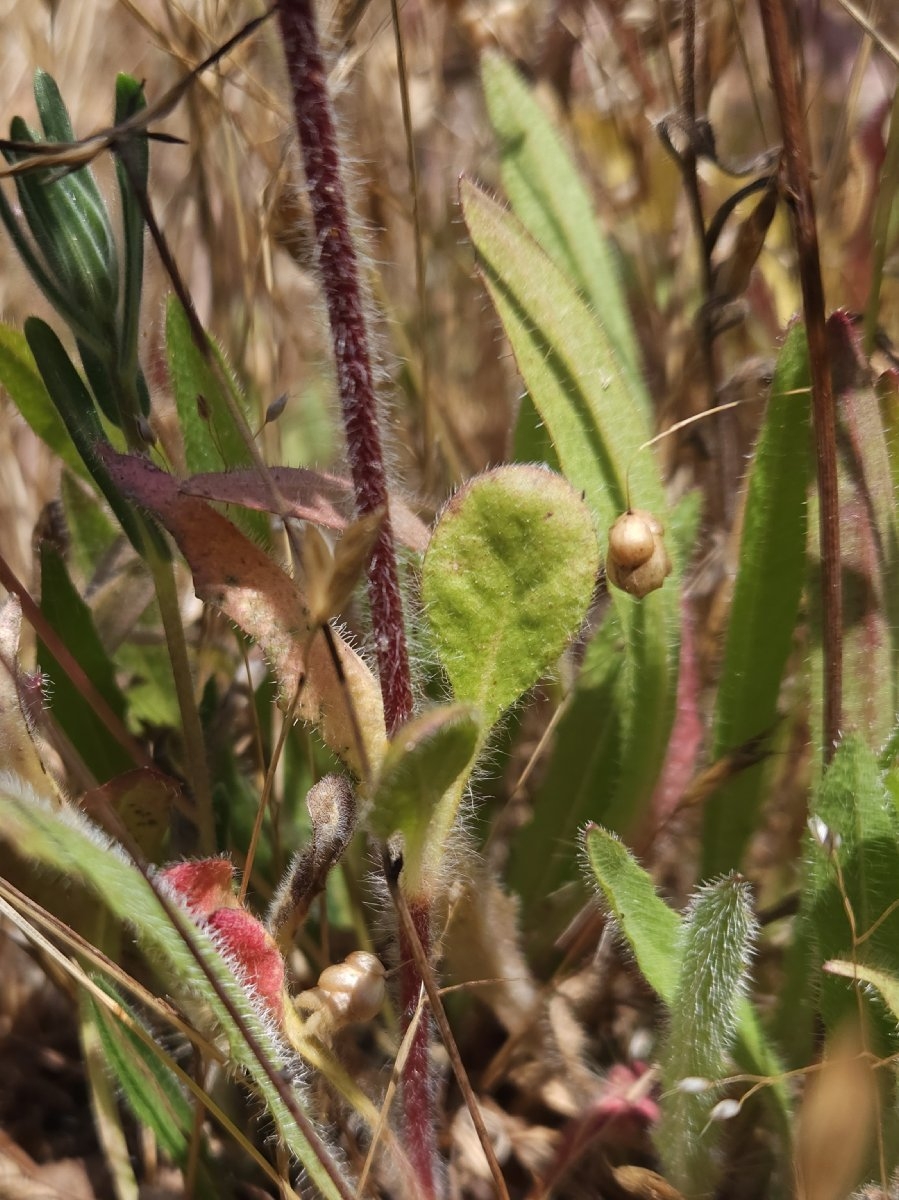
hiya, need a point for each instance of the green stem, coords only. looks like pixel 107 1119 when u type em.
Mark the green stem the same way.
pixel 197 768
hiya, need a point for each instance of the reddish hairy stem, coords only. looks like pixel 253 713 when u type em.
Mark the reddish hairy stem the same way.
pixel 797 178
pixel 339 270
pixel 419 1133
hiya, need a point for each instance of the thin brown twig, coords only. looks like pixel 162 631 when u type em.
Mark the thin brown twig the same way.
pixel 798 186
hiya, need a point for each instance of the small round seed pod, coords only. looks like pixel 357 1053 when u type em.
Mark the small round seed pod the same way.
pixel 637 561
pixel 346 993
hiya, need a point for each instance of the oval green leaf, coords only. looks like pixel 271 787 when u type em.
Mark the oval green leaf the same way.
pixel 507 580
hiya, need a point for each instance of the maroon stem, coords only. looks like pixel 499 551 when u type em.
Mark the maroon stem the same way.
pixel 798 185
pixel 339 270
pixel 419 1134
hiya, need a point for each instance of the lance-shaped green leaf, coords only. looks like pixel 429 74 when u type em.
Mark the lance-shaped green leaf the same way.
pixel 766 600
pixel 548 196
pixel 21 378
pixel 585 400
pixel 212 438
pixel 75 406
pixel 854 858
pixel 148 1086
pixel 60 838
pixel 653 932
pixel 132 172
pixel 72 620
pixel 715 948
pixel 69 223
pixel 423 761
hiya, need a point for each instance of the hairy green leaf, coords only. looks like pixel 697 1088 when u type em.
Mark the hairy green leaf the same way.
pixel 853 859
pixel 548 196
pixel 766 600
pixel 585 399
pixel 653 932
pixel 501 609
pixel 715 947
pixel 423 761
pixel 60 838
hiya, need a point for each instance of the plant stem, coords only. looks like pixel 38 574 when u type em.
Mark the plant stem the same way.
pixel 798 184
pixel 194 743
pixel 339 269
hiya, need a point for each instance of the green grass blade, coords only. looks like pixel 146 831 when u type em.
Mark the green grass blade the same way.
pixel 548 196
pixel 715 948
pixel 766 600
pixel 577 385
pixel 148 1087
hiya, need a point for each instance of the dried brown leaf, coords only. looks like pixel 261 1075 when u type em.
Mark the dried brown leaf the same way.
pixel 239 579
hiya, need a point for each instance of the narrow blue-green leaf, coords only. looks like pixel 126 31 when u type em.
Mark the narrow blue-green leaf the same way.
pixel 35 264
pixel 71 618
pixel 766 601
pixel 854 856
pixel 61 838
pixel 70 226
pixel 715 947
pixel 21 378
pixel 548 196
pixel 585 399
pixel 80 187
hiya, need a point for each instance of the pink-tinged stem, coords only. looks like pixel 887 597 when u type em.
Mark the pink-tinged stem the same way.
pixel 419 1133
pixel 339 269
